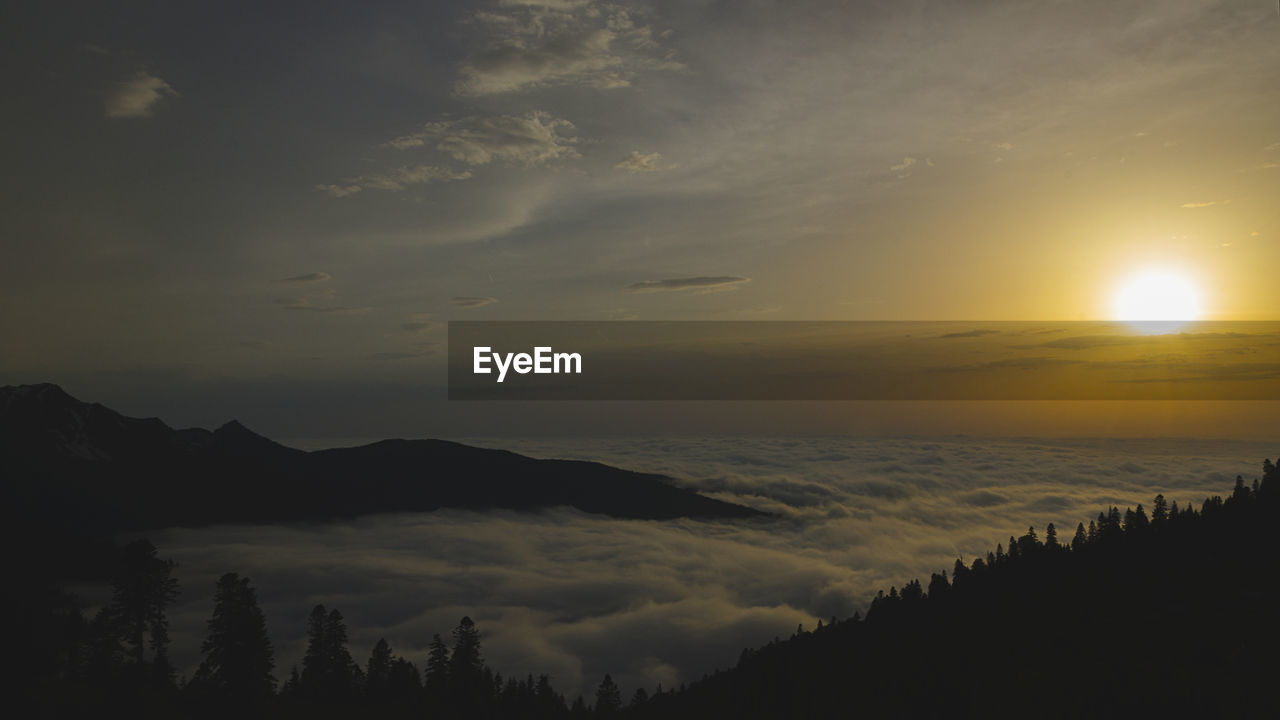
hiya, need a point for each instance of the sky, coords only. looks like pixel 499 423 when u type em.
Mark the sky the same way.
pixel 231 204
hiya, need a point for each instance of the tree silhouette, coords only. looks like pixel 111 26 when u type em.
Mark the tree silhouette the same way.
pixel 437 671
pixel 639 698
pixel 377 676
pixel 608 697
pixel 142 588
pixel 238 657
pixel 328 672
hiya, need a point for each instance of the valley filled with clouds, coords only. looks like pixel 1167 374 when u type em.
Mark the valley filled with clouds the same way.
pixel 578 595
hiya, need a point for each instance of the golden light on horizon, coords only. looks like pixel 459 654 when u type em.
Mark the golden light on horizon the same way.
pixel 1157 301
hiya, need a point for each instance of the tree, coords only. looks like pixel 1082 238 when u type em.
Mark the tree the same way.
pixel 938 585
pixel 344 674
pixel 403 682
pixel 466 667
pixel 238 656
pixel 437 679
pixel 639 698
pixel 315 662
pixel 608 697
pixel 328 672
pixel 378 671
pixel 1159 511
pixel 1080 539
pixel 142 588
pixel 1050 537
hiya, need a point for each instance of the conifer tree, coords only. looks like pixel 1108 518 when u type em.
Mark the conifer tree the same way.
pixel 608 697
pixel 238 658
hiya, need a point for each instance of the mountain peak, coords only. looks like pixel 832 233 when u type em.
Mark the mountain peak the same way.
pixel 234 437
pixel 37 393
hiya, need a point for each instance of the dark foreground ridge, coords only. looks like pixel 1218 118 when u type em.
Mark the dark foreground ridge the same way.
pixel 86 469
pixel 1172 614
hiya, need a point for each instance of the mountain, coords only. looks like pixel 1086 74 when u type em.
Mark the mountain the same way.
pixel 85 468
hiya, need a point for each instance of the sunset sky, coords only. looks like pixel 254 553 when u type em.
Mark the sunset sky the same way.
pixel 220 199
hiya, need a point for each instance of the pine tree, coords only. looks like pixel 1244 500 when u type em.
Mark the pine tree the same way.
pixel 1080 539
pixel 466 668
pixel 344 675
pixel 328 671
pixel 142 588
pixel 437 671
pixel 378 672
pixel 238 656
pixel 608 697
pixel 1159 511
pixel 315 661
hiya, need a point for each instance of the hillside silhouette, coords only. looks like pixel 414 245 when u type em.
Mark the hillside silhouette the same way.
pixel 1167 613
pixel 86 470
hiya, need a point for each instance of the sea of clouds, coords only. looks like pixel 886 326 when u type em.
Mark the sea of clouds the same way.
pixel 577 595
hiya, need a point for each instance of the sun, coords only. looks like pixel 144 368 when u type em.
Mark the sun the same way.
pixel 1157 300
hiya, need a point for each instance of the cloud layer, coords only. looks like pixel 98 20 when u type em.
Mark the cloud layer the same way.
pixel 577 595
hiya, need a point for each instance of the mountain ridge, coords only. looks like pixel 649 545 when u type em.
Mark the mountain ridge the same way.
pixel 82 466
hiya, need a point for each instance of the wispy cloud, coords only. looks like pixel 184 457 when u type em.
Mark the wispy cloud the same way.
pixel 471 302
pixel 137 97
pixel 694 284
pixel 395 180
pixel 530 139
pixel 1205 203
pixel 969 334
pixel 308 278
pixel 638 162
pixel 541 43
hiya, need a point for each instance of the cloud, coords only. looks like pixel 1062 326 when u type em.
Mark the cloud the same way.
pixel 638 162
pixel 969 334
pixel 414 327
pixel 899 171
pixel 307 303
pixel 530 139
pixel 395 180
pixel 1088 342
pixel 1209 203
pixel 582 58
pixel 696 284
pixel 339 191
pixel 308 278
pixel 471 302
pixel 137 97
pixel 543 43
pixel 545 4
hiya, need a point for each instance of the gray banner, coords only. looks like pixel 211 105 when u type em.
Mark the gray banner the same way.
pixel 631 360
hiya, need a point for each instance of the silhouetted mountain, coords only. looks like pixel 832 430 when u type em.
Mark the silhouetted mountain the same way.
pixel 85 468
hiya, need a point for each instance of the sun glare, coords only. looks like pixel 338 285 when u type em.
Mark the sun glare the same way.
pixel 1157 301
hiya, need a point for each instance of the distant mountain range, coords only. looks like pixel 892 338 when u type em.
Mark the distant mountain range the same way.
pixel 83 467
